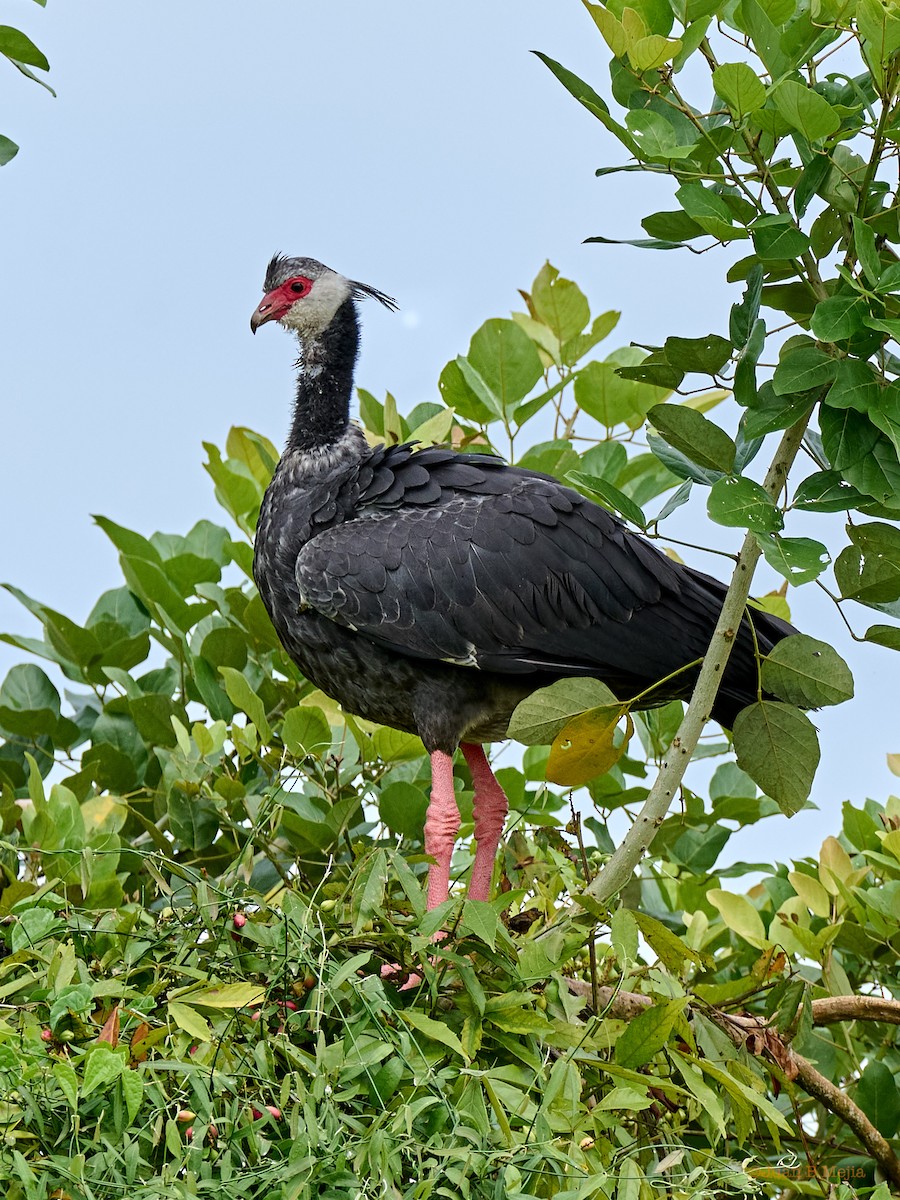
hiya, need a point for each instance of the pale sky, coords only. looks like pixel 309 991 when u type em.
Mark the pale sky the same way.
pixel 417 147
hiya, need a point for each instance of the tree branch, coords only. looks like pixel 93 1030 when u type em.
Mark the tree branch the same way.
pixel 615 873
pixel 758 1037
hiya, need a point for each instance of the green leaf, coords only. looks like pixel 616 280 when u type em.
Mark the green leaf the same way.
pixel 29 703
pixel 798 560
pixel 803 368
pixel 740 87
pixel 437 1031
pixel 776 238
pixel 559 303
pixel 402 807
pixel 705 355
pixel 610 399
pixel 647 1033
pixel 673 228
pixel 709 210
pixel 884 635
pixel 839 317
pixel 305 731
pixel 868 570
pixel 694 436
pixel 765 37
pixel 655 370
pixel 806 672
pixel 671 951
pixel 457 394
pixel 855 386
pixel 8 150
pixel 480 920
pixel 847 436
pixel 102 1065
pixel 594 103
pixel 242 696
pixel 878 1096
pixel 744 315
pixel 827 491
pixel 806 110
pixel 623 931
pixel 609 496
pixel 739 915
pixel 866 249
pixel 540 716
pixel 743 503
pixel 133 1092
pixel 776 744
pixel 506 359
pixel 14 44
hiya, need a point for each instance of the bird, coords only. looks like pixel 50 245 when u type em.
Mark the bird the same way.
pixel 433 590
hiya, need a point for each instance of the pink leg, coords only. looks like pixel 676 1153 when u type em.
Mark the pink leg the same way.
pixel 441 827
pixel 490 809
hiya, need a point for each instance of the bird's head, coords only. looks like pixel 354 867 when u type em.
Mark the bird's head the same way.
pixel 303 295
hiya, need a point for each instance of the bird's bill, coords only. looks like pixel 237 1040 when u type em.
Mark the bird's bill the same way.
pixel 270 308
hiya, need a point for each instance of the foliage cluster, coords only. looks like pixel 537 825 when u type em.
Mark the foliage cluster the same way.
pixel 20 51
pixel 206 864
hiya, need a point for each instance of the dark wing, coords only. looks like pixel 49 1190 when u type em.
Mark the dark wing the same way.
pixel 462 560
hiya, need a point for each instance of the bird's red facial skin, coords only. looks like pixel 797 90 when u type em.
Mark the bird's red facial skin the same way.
pixel 276 303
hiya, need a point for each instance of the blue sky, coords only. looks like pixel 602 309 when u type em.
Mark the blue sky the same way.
pixel 420 148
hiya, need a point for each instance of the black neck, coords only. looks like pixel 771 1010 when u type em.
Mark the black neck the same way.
pixel 325 383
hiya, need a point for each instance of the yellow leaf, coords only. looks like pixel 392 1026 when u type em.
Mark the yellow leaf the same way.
pixel 188 1020
pixel 633 24
pixel 891 842
pixel 739 914
pixel 611 28
pixel 584 748
pixel 653 51
pixel 811 893
pixel 708 400
pixel 229 995
pixel 893 762
pixel 834 863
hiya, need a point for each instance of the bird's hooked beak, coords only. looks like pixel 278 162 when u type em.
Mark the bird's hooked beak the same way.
pixel 270 308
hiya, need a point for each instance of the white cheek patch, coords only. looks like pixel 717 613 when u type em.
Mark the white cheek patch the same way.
pixel 315 311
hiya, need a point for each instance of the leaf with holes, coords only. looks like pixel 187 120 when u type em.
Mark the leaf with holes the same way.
pixel 585 748
pixel 868 570
pixel 743 503
pixel 776 744
pixel 807 672
pixel 798 560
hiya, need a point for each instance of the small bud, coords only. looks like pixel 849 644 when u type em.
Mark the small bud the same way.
pixel 185 1114
pixel 239 920
pixel 46 1035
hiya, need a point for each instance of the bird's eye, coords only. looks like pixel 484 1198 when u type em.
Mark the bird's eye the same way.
pixel 300 287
